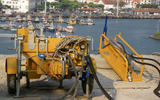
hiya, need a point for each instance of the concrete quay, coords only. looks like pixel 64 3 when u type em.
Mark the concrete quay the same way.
pixel 46 89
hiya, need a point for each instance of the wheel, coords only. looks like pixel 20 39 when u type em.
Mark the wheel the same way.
pixel 90 84
pixel 11 83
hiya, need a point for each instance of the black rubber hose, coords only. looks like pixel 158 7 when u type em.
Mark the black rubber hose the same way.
pixel 146 59
pixel 96 78
pixel 75 84
pixel 156 90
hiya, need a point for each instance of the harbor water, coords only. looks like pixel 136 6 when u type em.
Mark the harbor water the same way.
pixel 135 31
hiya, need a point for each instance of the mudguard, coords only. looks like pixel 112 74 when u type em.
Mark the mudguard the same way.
pixel 11 65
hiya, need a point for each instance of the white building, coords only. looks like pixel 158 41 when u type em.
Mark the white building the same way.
pixel 52 1
pixel 21 6
pixel 107 3
pixel 146 1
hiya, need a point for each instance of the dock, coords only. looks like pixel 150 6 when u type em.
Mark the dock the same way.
pixel 45 89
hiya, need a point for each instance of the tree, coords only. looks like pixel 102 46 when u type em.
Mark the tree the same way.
pixel 147 6
pixel 121 4
pixel 92 5
pixel 0 3
pixel 101 6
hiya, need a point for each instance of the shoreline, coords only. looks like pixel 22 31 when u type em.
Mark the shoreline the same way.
pixel 86 16
pixel 153 37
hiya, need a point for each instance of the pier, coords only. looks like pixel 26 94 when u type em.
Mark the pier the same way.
pixel 86 16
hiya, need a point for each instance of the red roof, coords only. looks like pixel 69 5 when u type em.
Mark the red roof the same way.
pixel 88 9
pixel 138 1
pixel 108 1
pixel 151 10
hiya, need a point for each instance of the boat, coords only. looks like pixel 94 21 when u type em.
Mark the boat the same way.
pixel 30 25
pixel 3 19
pixel 5 26
pixel 50 19
pixel 18 18
pixel 82 22
pixel 36 20
pixel 58 35
pixel 61 29
pixel 29 18
pixel 13 27
pixel 51 28
pixel 90 22
pixel 69 29
pixel 60 20
pixel 72 21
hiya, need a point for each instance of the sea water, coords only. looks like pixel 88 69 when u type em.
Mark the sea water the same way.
pixel 135 32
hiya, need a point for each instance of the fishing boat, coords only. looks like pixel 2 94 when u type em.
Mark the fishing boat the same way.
pixel 36 20
pixel 58 35
pixel 72 21
pixel 51 28
pixel 18 18
pixel 82 22
pixel 69 29
pixel 90 22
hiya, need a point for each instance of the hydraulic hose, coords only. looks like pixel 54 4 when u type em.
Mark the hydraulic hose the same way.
pixel 156 90
pixel 96 78
pixel 146 59
pixel 75 85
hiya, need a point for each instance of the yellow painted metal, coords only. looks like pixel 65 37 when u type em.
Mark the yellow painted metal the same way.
pixel 117 59
pixel 35 66
pixel 11 65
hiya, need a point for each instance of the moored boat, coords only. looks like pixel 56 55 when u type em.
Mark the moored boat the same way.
pixel 69 29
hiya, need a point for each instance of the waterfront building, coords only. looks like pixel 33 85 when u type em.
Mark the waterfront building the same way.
pixel 145 11
pixel 52 1
pixel 145 2
pixel 87 1
pixel 21 6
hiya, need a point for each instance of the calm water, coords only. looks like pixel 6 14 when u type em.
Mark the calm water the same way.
pixel 135 31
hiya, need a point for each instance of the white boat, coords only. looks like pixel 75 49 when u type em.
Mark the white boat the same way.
pixel 51 28
pixel 58 35
pixel 69 29
pixel 13 28
pixel 90 21
pixel 36 19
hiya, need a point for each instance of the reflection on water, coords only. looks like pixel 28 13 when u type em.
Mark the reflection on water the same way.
pixel 135 31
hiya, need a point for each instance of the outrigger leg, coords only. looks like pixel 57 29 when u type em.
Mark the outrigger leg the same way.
pixel 19 67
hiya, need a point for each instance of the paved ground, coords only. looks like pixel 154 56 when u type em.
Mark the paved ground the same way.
pixel 45 88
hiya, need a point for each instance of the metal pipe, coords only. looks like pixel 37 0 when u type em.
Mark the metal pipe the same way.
pixel 18 68
pixel 37 47
pixel 47 48
pixel 63 66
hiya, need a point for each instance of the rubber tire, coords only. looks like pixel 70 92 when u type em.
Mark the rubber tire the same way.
pixel 91 83
pixel 11 83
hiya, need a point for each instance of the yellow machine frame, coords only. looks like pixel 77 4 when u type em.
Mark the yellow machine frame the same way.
pixel 50 56
pixel 117 60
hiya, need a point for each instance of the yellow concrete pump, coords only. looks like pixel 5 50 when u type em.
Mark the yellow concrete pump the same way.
pixel 59 58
